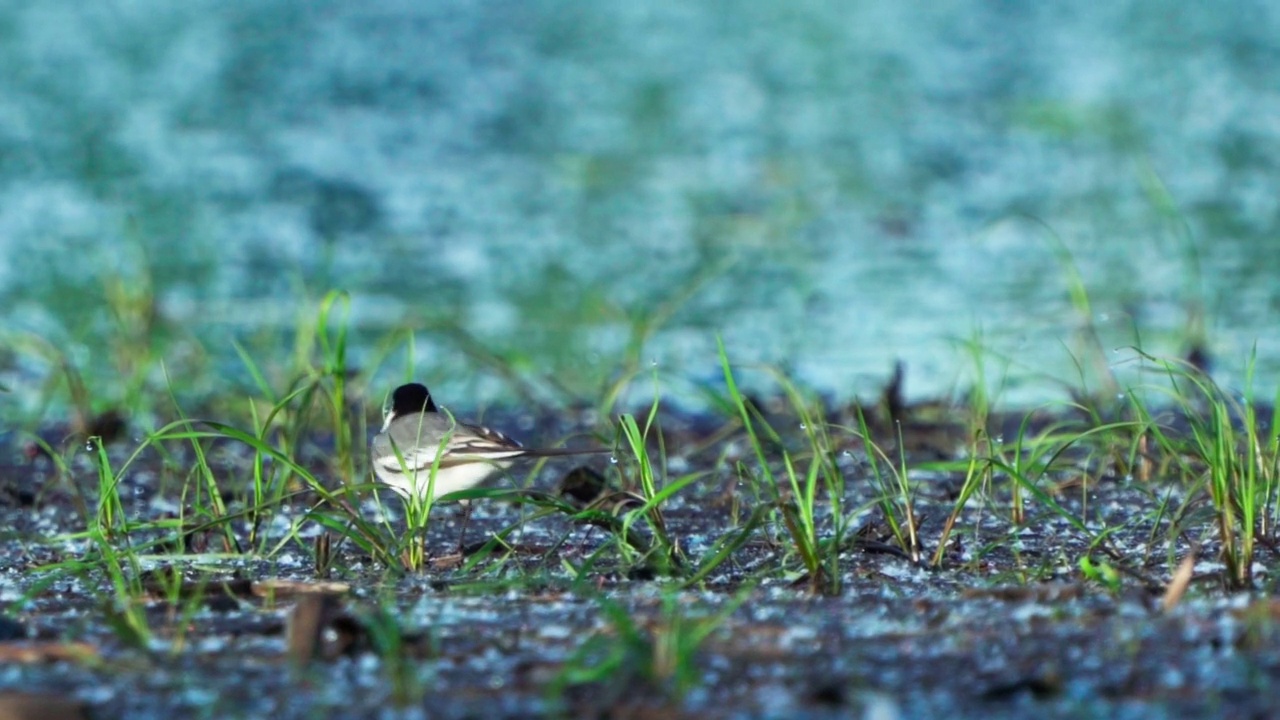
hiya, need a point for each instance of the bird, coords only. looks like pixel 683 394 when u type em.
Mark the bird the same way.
pixel 417 437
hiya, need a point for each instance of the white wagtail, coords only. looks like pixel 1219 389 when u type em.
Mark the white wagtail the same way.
pixel 416 437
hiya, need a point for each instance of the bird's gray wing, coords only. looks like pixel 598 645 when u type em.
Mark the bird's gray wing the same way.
pixel 414 443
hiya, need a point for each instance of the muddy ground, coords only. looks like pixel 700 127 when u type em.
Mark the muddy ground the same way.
pixel 1009 625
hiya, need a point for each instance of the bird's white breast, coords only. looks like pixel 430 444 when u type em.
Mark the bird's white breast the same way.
pixel 447 479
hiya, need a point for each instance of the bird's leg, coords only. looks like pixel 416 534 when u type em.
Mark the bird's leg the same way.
pixel 466 520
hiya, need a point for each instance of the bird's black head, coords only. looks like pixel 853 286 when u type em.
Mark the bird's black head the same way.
pixel 411 398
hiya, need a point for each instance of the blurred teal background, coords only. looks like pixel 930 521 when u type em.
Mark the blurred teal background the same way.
pixel 829 186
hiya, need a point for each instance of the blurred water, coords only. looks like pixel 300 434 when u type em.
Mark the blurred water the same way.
pixel 832 185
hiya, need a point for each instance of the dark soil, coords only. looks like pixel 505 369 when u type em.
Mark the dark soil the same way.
pixel 1008 626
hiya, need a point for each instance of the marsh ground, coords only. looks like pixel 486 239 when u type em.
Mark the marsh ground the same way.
pixel 1055 592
